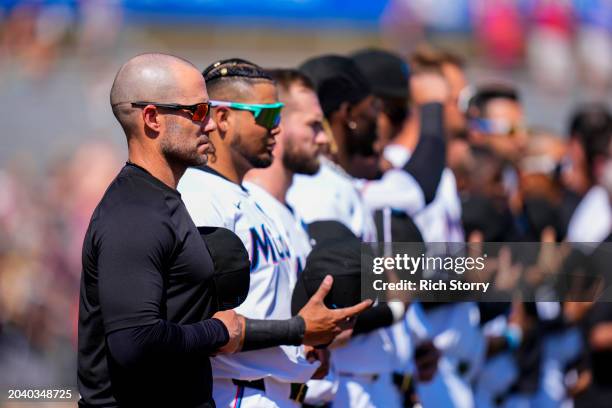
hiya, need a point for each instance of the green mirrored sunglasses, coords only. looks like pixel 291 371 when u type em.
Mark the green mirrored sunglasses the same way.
pixel 267 115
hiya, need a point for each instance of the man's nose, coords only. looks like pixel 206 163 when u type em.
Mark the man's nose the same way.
pixel 208 124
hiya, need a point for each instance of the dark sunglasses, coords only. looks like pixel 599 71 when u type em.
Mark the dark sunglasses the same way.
pixel 198 111
pixel 267 115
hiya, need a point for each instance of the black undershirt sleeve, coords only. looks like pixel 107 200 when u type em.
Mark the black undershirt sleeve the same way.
pixel 372 319
pixel 429 157
pixel 132 287
pixel 132 346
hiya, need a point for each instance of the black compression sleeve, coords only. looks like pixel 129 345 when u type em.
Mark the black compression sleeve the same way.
pixel 372 319
pixel 429 157
pixel 260 334
pixel 134 345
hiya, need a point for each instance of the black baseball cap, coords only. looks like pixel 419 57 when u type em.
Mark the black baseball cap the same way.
pixel 232 266
pixel 337 79
pixel 339 256
pixel 387 73
pixel 329 230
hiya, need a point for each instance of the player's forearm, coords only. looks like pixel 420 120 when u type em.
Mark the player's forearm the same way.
pixel 132 346
pixel 260 334
pixel 429 157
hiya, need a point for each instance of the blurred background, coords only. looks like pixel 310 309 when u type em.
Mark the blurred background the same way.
pixel 60 144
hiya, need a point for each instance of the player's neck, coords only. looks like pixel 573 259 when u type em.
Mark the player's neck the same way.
pixel 230 164
pixel 157 165
pixel 275 179
pixel 229 172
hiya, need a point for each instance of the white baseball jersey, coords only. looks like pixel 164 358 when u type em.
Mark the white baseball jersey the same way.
pixel 288 221
pixel 438 221
pixel 212 200
pixel 331 195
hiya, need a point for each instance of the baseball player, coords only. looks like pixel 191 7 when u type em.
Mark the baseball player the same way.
pixel 247 112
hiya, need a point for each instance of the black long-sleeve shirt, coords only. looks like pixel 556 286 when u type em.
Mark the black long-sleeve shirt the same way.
pixel 428 160
pixel 146 299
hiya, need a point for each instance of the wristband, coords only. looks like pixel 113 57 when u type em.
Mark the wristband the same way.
pixel 260 334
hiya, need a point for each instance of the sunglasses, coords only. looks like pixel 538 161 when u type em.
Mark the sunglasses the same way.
pixel 497 126
pixel 198 111
pixel 267 115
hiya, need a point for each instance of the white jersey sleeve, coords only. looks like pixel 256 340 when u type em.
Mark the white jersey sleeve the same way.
pixel 396 189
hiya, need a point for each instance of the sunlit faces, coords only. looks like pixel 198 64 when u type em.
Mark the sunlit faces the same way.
pixel 302 138
pixel 183 140
pixel 252 141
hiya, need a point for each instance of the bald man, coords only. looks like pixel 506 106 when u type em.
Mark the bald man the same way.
pixel 146 323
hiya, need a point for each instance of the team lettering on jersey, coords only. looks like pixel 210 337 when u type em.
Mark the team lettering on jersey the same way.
pixel 269 248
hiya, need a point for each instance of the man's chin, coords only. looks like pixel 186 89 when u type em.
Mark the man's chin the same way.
pixel 262 161
pixel 307 168
pixel 200 160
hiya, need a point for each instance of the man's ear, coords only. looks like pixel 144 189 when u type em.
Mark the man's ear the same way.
pixel 222 116
pixel 344 111
pixel 151 119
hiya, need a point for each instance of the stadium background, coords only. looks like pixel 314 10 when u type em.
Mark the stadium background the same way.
pixel 60 145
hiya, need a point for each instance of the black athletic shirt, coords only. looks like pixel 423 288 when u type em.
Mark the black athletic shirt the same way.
pixel 146 299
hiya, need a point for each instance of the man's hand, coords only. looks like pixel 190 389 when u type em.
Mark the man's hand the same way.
pixel 321 355
pixel 323 324
pixel 235 327
pixel 429 87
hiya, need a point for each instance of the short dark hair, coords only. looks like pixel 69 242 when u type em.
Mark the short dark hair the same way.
pixel 337 80
pixel 477 105
pixel 231 71
pixel 285 77
pixel 591 125
pixel 589 118
pixel 427 58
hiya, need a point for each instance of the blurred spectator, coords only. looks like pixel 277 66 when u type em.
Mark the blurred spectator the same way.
pixel 498 28
pixel 538 202
pixel 588 150
pixel 42 225
pixel 496 120
pixel 33 33
pixel 484 200
pixel 549 51
pixel 595 43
